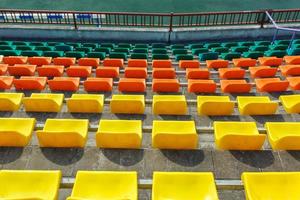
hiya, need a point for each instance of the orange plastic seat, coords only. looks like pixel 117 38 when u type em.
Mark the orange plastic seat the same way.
pixel 292 60
pixel 201 86
pixel 132 85
pixel 165 85
pixel 64 84
pixel 244 62
pixel 79 71
pixel 65 61
pixel 22 70
pixel 98 84
pixel 217 63
pixel 51 70
pixel 262 71
pixel 107 72
pixel 189 64
pixel 30 83
pixel 163 73
pixel 39 61
pixel 270 61
pixel 137 63
pixel 290 70
pixel 113 62
pixel 231 73
pixel 192 73
pixel 12 60
pixel 235 86
pixel 271 85
pixel 93 62
pixel 3 69
pixel 135 72
pixel 161 63
pixel 6 82
pixel 294 82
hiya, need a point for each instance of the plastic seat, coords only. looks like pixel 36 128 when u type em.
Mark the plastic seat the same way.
pixel 16 132
pixel 51 70
pixel 160 56
pixel 201 86
pixel 291 103
pixel 12 60
pixel 98 84
pixel 107 72
pixel 21 70
pixel 105 185
pixel 174 135
pixel 256 105
pixel 208 56
pixel 164 73
pixel 127 104
pixel 96 54
pixel 169 105
pixel 132 85
pixel 6 82
pixel 294 82
pixel 64 84
pixel 238 136
pixel 290 70
pixel 165 85
pixel 135 72
pixel 292 60
pixel 39 61
pixel 277 53
pixel 43 102
pixel 29 184
pixel 53 54
pixel 10 101
pixel 214 105
pixel 270 61
pixel 139 56
pixel 244 62
pixel 137 63
pixel 217 64
pixel 63 133
pixel 65 61
pixel 198 51
pixel 30 83
pixel 262 71
pixel 271 185
pixel 93 62
pixel 3 69
pixel 239 49
pixel 230 55
pixel 231 73
pixel 79 71
pixel 180 57
pixel 119 134
pixel 161 63
pixel 85 103
pixel 113 62
pixel 184 185
pixel 235 86
pixel 184 64
pixel 253 54
pixel 271 85
pixel 198 73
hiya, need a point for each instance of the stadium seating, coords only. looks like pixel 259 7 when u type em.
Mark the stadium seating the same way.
pixel 127 104
pixel 43 102
pixel 196 73
pixel 262 72
pixel 169 105
pixel 165 85
pixel 201 86
pixel 98 84
pixel 271 85
pixel 291 103
pixel 290 70
pixel 259 105
pixel 231 73
pixel 107 72
pixel 10 101
pixel 235 86
pixel 30 83
pixel 294 82
pixel 51 70
pixel 214 105
pixel 85 103
pixel 64 84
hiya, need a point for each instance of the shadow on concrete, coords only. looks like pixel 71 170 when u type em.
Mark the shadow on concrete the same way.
pixel 295 154
pixel 124 157
pixel 175 117
pixel 6 114
pixel 187 158
pixel 92 117
pixel 131 116
pixel 63 156
pixel 257 159
pixel 278 94
pixel 262 119
pixel 10 154
pixel 225 118
pixel 42 116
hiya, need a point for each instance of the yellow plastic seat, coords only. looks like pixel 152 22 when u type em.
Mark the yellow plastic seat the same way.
pixel 92 185
pixel 169 105
pixel 291 103
pixel 10 101
pixel 184 186
pixel 119 134
pixel 271 185
pixel 238 136
pixel 46 102
pixel 284 135
pixel 29 185
pixel 85 103
pixel 174 135
pixel 63 133
pixel 256 105
pixel 214 105
pixel 127 104
pixel 16 131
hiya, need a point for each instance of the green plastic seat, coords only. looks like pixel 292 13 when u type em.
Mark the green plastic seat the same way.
pixel 38 44
pixel 24 48
pixel 259 48
pixel 229 44
pixel 296 46
pixel 31 53
pixel 262 43
pixel 177 46
pixel 20 43
pixel 158 45
pixel 103 49
pixel 5 42
pixel 124 45
pixel 160 57
pixel 10 52
pixel 196 46
pixel 200 50
pixel 297 41
pixel 239 49
pixel 100 55
pixel 279 47
pixel 64 48
pixel 84 49
pixel 45 48
pixel 118 55
pixel 293 51
pixel 253 54
pixel 75 54
pixel 74 44
pixel 277 53
pixel 282 42
pixel 230 56
pixel 179 57
pixel 55 43
pixel 140 50
pixel 7 47
pixel 121 50
pixel 139 56
pixel 92 45
pixel 208 56
pixel 179 51
pixel 220 49
pixel 212 45
pixel 246 44
pixel 159 51
pixel 141 46
pixel 109 45
pixel 53 54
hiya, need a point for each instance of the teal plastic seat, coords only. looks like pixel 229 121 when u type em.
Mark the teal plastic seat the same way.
pixel 7 47
pixel 212 45
pixel 253 54
pixel 20 43
pixel 277 53
pixel 158 45
pixel 38 44
pixel 75 54
pixel 208 56
pixel 24 48
pixel 160 57
pixel 141 46
pixel 140 50
pixel 278 47
pixel 220 49
pixel 121 50
pixel 84 49
pixel 103 49
pixel 118 55
pixel 64 48
pixel 296 46
pixel 239 49
pixel 55 43
pixel 200 50
pixel 100 55
pixel 282 42
pixel 230 56
pixel 259 48
pixel 229 44
pixel 297 41
pixel 246 44
pixel 293 51
pixel 10 52
pixel 159 51
pixel 139 56
pixel 31 53
pixel 179 57
pixel 45 48
pixel 177 46
pixel 262 43
pixel 196 46
pixel 109 45
pixel 5 42
pixel 74 44
pixel 179 51
pixel 53 54
pixel 125 45
pixel 92 45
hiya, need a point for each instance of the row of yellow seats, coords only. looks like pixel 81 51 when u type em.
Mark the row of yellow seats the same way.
pixel 108 185
pixel 165 134
pixel 135 104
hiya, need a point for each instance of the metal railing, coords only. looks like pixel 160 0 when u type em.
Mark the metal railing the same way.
pixel 147 20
